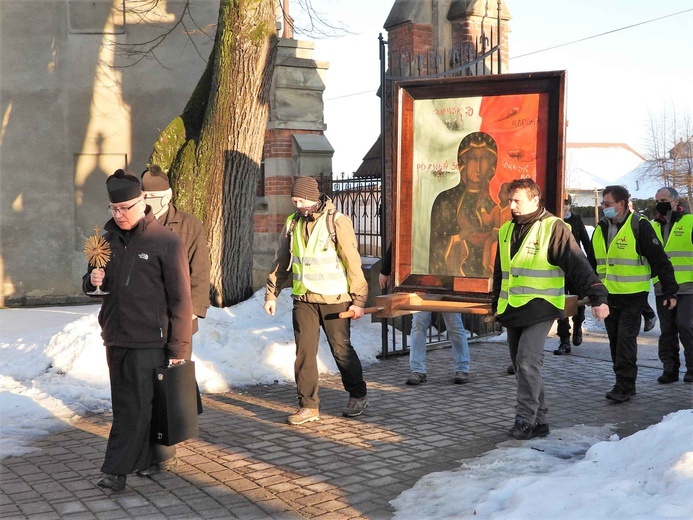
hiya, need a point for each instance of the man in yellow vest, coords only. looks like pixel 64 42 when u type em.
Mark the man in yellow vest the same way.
pixel 318 247
pixel 535 249
pixel 627 254
pixel 674 228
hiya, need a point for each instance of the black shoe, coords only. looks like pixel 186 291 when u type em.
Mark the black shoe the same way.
pixel 521 430
pixel 540 430
pixel 511 370
pixel 577 336
pixel 688 378
pixel 111 481
pixel 668 377
pixel 619 394
pixel 563 348
pixel 649 323
pixel 165 465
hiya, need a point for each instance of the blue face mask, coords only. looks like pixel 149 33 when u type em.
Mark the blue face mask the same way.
pixel 610 212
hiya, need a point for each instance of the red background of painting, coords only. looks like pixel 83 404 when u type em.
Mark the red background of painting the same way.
pixel 502 118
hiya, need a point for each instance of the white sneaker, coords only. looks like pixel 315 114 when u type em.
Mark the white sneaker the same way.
pixel 303 416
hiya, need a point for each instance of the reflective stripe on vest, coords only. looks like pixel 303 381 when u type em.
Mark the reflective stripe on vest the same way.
pixel 315 265
pixel 620 268
pixel 529 275
pixel 679 248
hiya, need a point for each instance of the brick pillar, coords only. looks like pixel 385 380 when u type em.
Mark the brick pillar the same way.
pixel 294 145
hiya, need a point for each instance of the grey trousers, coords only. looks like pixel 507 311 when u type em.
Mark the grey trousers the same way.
pixel 526 346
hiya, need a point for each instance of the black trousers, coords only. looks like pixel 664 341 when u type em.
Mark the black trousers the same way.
pixel 308 318
pixel 676 324
pixel 132 390
pixel 563 328
pixel 623 327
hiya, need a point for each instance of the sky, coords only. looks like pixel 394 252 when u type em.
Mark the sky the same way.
pixel 53 370
pixel 617 83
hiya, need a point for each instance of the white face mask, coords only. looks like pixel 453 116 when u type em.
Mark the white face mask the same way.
pixel 159 201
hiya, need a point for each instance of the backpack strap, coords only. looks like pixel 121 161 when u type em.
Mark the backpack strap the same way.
pixel 331 229
pixel 635 226
pixel 292 224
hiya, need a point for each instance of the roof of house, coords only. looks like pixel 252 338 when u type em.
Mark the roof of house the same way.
pixel 596 165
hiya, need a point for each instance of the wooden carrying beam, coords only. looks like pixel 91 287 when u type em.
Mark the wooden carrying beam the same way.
pixel 399 304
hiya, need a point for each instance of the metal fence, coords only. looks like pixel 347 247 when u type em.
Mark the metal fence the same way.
pixel 360 199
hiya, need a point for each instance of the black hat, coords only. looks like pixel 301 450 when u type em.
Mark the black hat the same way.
pixel 568 200
pixel 306 188
pixel 154 179
pixel 123 186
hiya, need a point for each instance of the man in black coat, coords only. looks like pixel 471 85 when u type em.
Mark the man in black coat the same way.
pixel 626 253
pixel 145 322
pixel 577 227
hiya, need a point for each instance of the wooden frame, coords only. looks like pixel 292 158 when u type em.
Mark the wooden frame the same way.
pixel 458 140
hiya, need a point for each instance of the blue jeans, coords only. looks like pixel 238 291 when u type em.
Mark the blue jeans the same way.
pixel 456 333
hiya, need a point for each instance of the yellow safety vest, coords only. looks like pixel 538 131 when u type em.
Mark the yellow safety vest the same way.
pixel 679 248
pixel 316 267
pixel 529 274
pixel 621 269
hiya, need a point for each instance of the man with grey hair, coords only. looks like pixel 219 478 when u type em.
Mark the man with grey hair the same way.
pixel 674 228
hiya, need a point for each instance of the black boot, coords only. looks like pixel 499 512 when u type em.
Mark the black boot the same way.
pixel 577 335
pixel 521 430
pixel 621 392
pixel 668 377
pixel 111 481
pixel 563 348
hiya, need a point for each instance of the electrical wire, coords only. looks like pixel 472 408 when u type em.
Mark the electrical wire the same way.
pixel 601 34
pixel 547 48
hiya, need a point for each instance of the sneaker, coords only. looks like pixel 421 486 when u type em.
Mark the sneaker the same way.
pixel 649 323
pixel 416 378
pixel 540 430
pixel 563 348
pixel 511 370
pixel 668 377
pixel 619 394
pixel 461 378
pixel 521 430
pixel 165 465
pixel 113 482
pixel 688 378
pixel 355 406
pixel 577 336
pixel 303 416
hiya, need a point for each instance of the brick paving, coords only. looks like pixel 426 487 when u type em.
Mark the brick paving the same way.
pixel 247 463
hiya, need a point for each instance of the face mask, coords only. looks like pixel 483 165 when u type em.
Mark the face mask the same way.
pixel 663 207
pixel 610 212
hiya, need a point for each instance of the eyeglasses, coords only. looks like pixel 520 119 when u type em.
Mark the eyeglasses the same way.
pixel 115 210
pixel 608 204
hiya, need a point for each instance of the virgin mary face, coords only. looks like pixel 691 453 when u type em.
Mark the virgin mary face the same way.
pixel 477 165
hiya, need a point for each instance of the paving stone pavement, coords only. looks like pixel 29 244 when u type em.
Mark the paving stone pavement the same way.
pixel 248 463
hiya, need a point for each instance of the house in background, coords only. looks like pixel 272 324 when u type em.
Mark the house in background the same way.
pixel 592 166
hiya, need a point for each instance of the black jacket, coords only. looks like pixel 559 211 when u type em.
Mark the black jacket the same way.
pixel 147 277
pixel 651 248
pixel 577 226
pixel 563 252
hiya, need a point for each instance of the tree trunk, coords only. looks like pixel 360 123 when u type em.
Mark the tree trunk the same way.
pixel 214 149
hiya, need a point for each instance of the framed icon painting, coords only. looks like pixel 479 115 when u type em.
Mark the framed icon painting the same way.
pixel 459 143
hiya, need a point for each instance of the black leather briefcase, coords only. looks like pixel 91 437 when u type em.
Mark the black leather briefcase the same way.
pixel 175 407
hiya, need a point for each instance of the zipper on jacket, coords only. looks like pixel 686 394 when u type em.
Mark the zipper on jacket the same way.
pixel 132 263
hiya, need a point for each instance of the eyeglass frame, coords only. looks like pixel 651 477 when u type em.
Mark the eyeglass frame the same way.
pixel 122 211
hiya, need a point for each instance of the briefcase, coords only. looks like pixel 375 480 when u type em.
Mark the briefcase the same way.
pixel 175 406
